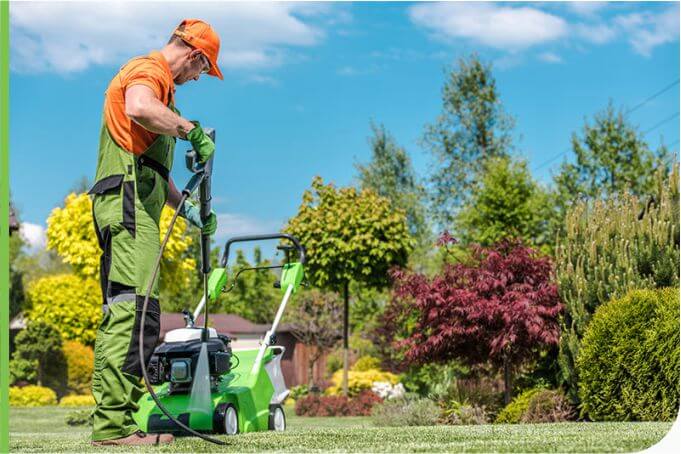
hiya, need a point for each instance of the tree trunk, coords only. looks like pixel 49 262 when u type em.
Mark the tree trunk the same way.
pixel 346 311
pixel 310 365
pixel 310 374
pixel 507 380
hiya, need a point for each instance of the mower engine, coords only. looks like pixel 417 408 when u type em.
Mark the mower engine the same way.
pixel 175 360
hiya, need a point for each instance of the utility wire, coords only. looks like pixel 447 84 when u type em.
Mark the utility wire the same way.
pixel 660 123
pixel 651 97
pixel 636 107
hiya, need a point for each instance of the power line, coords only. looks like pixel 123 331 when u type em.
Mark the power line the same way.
pixel 651 97
pixel 636 107
pixel 660 123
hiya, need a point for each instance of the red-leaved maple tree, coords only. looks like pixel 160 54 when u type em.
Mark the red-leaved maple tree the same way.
pixel 501 307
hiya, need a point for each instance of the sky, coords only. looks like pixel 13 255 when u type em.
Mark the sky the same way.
pixel 304 81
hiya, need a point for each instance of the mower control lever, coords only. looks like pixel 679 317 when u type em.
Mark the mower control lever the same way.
pixel 188 318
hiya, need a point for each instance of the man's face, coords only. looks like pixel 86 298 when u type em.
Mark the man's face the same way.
pixel 194 65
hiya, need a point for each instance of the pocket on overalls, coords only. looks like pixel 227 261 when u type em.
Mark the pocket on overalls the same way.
pixel 100 342
pixel 109 194
pixel 146 182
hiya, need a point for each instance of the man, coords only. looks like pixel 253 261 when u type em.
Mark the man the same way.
pixel 139 129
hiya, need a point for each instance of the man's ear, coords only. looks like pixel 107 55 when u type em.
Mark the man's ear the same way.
pixel 194 54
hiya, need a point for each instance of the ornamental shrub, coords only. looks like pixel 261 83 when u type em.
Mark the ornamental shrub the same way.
pixel 500 307
pixel 316 405
pixel 79 418
pixel 548 405
pixel 80 361
pixel 457 413
pixel 299 391
pixel 629 358
pixel 359 381
pixel 74 400
pixel 31 396
pixel 72 304
pixel 366 363
pixel 406 412
pixel 513 412
pixel 610 247
pixel 38 358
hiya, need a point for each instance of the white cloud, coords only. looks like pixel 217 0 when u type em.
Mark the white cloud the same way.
pixel 596 33
pixel 645 31
pixel 550 57
pixel 232 224
pixel 66 37
pixel 34 235
pixel 587 9
pixel 499 26
pixel 347 71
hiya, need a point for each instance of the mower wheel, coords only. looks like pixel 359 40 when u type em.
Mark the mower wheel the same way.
pixel 277 421
pixel 226 420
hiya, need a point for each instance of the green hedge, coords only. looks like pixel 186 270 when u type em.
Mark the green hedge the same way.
pixel 628 364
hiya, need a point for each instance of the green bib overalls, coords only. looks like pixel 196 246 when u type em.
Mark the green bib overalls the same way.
pixel 128 196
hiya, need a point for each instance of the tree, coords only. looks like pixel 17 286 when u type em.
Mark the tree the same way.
pixel 611 158
pixel 390 174
pixel 72 304
pixel 502 308
pixel 508 203
pixel 316 320
pixel 349 236
pixel 70 232
pixel 253 295
pixel 471 128
pixel 16 277
pixel 610 247
pixel 40 346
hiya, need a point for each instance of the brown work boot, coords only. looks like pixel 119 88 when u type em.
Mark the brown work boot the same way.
pixel 139 438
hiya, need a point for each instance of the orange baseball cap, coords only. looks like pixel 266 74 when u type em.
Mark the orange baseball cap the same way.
pixel 200 35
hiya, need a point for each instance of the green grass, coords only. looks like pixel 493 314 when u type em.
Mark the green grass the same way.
pixel 44 430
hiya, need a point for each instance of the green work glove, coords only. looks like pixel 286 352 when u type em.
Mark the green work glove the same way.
pixel 201 143
pixel 192 213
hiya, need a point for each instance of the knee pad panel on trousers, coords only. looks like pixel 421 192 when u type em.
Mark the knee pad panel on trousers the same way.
pixel 152 331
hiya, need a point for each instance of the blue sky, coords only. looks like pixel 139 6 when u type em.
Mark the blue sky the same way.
pixel 304 80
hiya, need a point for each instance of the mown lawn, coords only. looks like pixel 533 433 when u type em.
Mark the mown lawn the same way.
pixel 44 430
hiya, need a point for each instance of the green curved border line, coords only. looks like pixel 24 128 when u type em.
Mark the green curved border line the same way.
pixel 4 226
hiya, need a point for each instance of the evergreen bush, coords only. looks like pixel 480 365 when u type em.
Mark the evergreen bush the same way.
pixel 629 358
pixel 610 247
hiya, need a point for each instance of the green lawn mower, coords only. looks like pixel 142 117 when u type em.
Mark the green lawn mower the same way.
pixel 197 385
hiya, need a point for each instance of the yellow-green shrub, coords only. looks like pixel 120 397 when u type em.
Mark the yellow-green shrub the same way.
pixel 31 396
pixel 74 400
pixel 366 363
pixel 70 303
pixel 629 358
pixel 513 412
pixel 359 381
pixel 80 361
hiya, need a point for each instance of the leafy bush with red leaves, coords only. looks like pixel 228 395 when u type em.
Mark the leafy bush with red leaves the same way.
pixel 501 307
pixel 317 405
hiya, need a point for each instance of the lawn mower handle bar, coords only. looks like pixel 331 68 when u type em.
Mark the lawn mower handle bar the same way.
pixel 270 236
pixel 201 180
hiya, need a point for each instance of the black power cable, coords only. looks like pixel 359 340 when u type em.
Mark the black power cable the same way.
pixel 153 395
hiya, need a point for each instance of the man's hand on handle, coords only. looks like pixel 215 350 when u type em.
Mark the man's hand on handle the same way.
pixel 192 213
pixel 201 142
